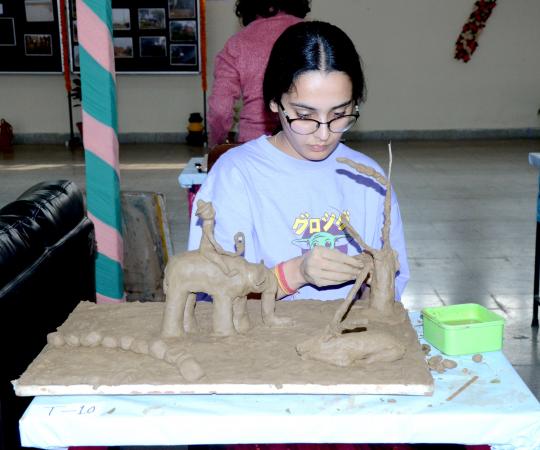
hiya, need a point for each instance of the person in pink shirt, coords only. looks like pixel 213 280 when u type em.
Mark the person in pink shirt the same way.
pixel 239 69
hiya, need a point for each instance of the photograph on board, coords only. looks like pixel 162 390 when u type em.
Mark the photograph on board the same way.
pixel 153 46
pixel 7 31
pixel 151 18
pixel 121 19
pixel 181 9
pixel 38 45
pixel 76 59
pixel 183 55
pixel 123 47
pixel 75 32
pixel 183 30
pixel 39 10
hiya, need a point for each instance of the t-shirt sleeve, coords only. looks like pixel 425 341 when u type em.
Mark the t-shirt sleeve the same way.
pixel 226 188
pixel 226 90
pixel 397 241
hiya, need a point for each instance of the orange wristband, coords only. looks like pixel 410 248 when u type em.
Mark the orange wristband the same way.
pixel 280 275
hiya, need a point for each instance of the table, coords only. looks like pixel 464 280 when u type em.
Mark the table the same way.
pixel 534 160
pixel 497 409
pixel 191 178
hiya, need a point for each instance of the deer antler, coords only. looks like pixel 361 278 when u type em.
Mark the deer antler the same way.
pixel 371 172
pixel 387 202
pixel 366 170
pixel 356 236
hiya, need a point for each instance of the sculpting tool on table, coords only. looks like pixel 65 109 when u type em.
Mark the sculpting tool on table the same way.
pixel 462 388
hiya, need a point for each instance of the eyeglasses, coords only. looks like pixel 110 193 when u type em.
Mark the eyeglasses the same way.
pixel 308 126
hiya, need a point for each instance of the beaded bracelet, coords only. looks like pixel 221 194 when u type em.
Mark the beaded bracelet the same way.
pixel 280 275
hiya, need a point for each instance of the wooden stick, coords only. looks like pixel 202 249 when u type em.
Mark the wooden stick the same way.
pixel 462 388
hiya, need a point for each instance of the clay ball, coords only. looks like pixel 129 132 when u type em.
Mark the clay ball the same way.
pixel 477 358
pixel 434 361
pixel 449 363
pixel 158 349
pixel 125 342
pixel 92 339
pixel 190 369
pixel 110 342
pixel 55 339
pixel 139 346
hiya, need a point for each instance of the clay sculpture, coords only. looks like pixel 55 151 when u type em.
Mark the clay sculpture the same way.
pixel 171 352
pixel 364 347
pixel 380 267
pixel 226 276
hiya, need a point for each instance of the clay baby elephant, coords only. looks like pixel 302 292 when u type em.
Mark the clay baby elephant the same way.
pixel 191 272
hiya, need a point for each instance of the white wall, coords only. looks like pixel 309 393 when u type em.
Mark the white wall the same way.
pixel 407 48
pixel 413 80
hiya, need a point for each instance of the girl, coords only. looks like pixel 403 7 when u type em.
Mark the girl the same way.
pixel 287 193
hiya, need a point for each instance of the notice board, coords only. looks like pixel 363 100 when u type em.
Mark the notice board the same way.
pixel 149 36
pixel 30 36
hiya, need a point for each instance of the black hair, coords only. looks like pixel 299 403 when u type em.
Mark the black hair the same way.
pixel 249 10
pixel 308 46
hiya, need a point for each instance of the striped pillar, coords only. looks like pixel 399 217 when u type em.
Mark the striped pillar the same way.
pixel 100 139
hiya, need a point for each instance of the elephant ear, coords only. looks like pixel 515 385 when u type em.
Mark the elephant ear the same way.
pixel 261 274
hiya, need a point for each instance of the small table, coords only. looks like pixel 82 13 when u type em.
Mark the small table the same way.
pixel 191 178
pixel 534 160
pixel 497 409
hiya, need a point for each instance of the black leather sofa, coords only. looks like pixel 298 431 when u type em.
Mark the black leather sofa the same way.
pixel 47 255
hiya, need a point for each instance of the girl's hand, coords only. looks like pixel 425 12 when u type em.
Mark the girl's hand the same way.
pixel 323 266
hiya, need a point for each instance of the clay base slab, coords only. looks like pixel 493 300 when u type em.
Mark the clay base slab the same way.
pixel 262 361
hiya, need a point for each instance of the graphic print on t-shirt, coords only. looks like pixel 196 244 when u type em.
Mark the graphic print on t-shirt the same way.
pixel 325 231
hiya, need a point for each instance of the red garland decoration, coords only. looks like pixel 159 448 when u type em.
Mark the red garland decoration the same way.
pixel 467 41
pixel 204 82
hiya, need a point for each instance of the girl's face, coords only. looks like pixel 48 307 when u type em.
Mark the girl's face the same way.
pixel 315 95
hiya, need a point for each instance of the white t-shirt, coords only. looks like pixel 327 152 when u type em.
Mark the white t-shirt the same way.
pixel 285 206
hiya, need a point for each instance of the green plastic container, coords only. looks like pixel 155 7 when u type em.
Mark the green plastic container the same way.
pixel 463 329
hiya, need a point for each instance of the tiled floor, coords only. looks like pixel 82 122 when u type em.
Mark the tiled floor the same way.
pixel 469 210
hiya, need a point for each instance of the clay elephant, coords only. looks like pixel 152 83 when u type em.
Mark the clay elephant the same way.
pixel 191 272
